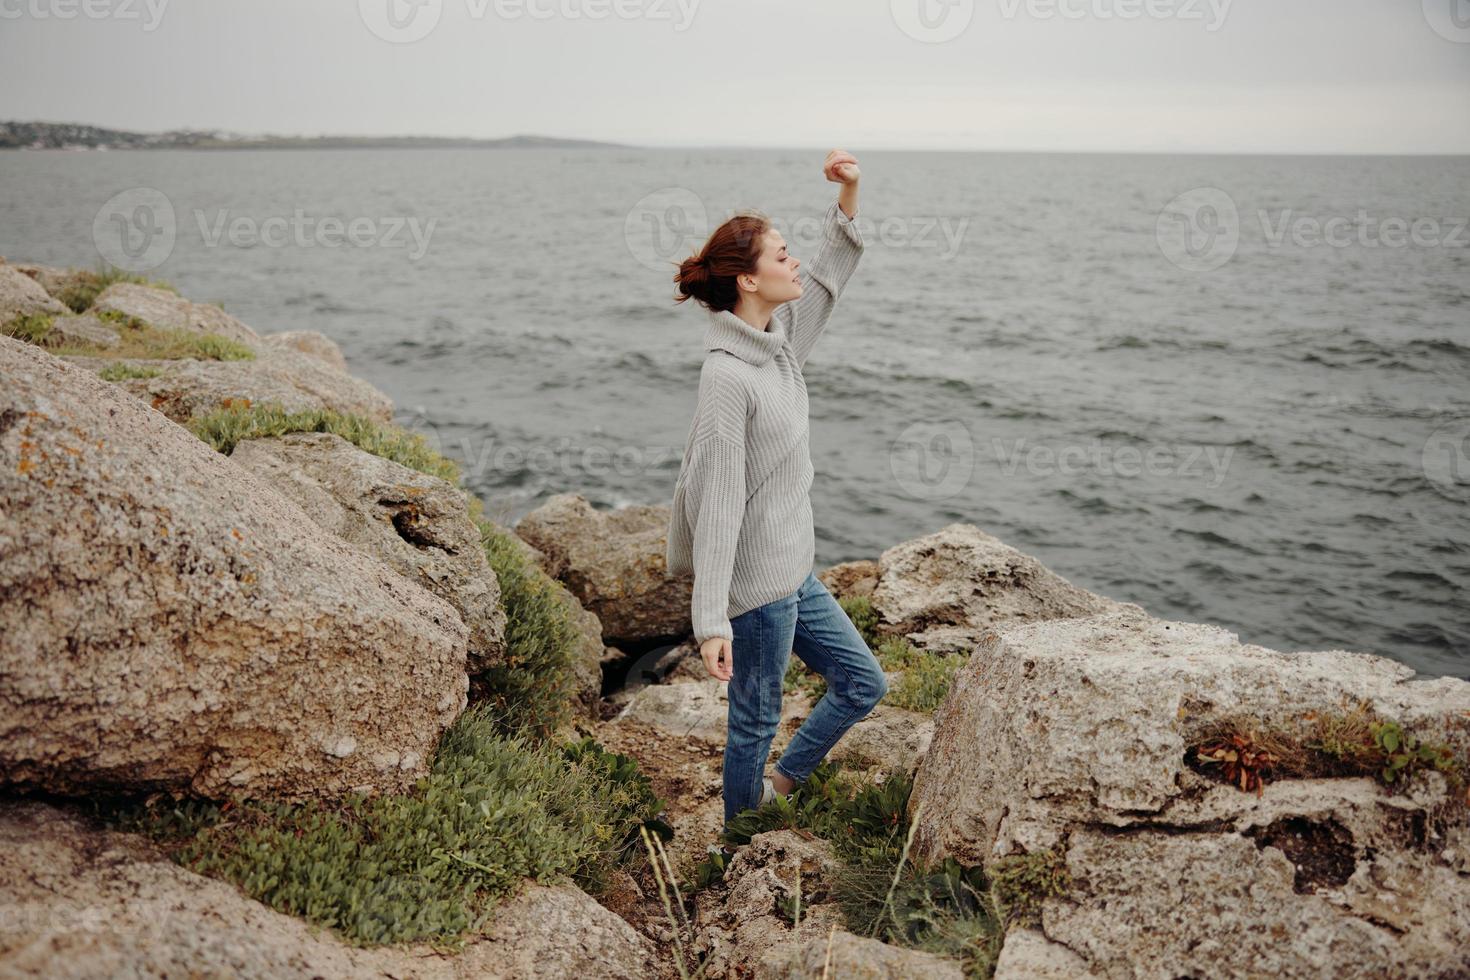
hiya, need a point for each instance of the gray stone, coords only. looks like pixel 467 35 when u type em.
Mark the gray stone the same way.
pixel 169 311
pixel 167 620
pixel 318 345
pixel 20 295
pixel 613 562
pixel 417 524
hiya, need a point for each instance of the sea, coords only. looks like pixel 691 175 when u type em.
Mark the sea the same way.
pixel 1232 389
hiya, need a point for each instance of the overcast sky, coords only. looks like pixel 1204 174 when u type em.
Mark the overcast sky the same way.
pixel 1316 76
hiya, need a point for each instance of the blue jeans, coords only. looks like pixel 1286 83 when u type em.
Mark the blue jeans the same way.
pixel 810 622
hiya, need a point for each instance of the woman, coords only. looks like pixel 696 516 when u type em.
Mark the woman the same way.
pixel 742 520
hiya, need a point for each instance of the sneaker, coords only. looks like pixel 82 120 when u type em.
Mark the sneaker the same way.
pixel 768 793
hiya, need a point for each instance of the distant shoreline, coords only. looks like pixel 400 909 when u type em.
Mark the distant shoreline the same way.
pixel 69 136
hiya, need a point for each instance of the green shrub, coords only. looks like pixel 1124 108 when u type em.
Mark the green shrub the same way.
pixel 121 372
pixel 532 689
pixel 926 677
pixel 226 427
pixel 859 609
pixel 138 340
pixel 83 291
pixel 799 677
pixel 432 864
pixel 31 328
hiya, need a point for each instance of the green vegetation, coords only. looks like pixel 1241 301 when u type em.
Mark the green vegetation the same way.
pixel 495 808
pixel 859 609
pixel 137 340
pixel 946 909
pixel 532 688
pixel 1351 741
pixel 85 287
pixel 121 372
pixel 224 428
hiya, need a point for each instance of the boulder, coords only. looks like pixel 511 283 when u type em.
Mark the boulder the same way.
pixel 185 389
pixel 20 295
pixel 58 282
pixel 696 709
pixel 1074 736
pixel 82 900
pixel 842 954
pixel 170 311
pixel 889 740
pixel 318 345
pixel 169 621
pixel 851 579
pixel 944 590
pixel 414 523
pixel 613 562
pixel 83 329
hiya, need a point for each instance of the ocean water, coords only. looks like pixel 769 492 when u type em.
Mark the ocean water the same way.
pixel 1234 390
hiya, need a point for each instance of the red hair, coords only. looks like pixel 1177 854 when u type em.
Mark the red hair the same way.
pixel 732 250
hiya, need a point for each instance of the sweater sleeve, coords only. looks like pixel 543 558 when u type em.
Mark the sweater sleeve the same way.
pixel 822 280
pixel 715 499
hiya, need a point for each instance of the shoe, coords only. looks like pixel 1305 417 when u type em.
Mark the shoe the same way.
pixel 768 793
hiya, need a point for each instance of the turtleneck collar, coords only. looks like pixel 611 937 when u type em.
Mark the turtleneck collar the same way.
pixel 727 331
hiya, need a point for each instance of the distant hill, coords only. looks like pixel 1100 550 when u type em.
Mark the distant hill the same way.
pixel 61 136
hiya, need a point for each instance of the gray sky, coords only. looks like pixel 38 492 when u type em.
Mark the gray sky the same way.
pixel 1315 76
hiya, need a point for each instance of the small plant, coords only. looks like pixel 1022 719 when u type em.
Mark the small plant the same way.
pixel 31 328
pixel 799 677
pixel 122 372
pixel 1240 761
pixel 84 287
pixel 925 679
pixel 1403 754
pixel 1021 882
pixel 859 609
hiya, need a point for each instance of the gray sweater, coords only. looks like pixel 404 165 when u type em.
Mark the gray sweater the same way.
pixel 742 520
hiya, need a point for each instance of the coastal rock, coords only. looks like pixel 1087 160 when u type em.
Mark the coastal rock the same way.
pixel 83 329
pixel 613 561
pixel 184 389
pixel 944 590
pixel 58 282
pixel 889 740
pixel 169 621
pixel 20 295
pixel 696 709
pixel 417 524
pixel 1073 735
pixel 84 901
pixel 170 311
pixel 852 579
pixel 842 954
pixel 318 345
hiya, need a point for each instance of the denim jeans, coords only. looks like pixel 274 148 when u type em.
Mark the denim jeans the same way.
pixel 811 623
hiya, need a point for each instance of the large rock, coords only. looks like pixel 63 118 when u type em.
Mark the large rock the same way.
pixel 81 901
pixel 697 709
pixel 1072 735
pixel 613 561
pixel 170 311
pixel 318 345
pixel 184 389
pixel 852 579
pixel 83 329
pixel 167 620
pixel 842 954
pixel 415 523
pixel 944 590
pixel 20 295
pixel 888 739
pixel 56 281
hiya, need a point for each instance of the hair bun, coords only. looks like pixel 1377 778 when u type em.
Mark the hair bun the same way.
pixel 693 276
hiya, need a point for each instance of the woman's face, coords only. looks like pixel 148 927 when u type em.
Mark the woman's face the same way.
pixel 775 271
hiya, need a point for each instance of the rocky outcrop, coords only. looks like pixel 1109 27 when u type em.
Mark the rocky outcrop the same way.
pixel 841 954
pixel 83 329
pixel 167 620
pixel 20 295
pixel 1073 736
pixel 56 281
pixel 167 310
pixel 318 345
pixel 889 740
pixel 613 562
pixel 84 901
pixel 184 389
pixel 852 579
pixel 944 590
pixel 417 524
